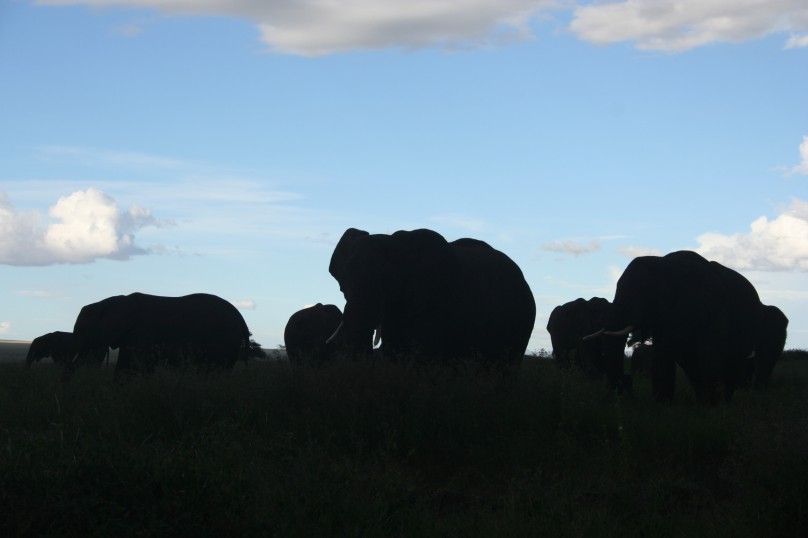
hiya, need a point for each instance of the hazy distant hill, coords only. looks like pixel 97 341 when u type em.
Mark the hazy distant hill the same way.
pixel 16 350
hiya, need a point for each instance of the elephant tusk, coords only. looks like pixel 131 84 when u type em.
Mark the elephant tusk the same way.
pixel 328 341
pixel 622 332
pixel 377 339
pixel 593 335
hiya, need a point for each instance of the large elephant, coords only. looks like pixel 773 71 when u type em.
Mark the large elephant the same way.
pixel 429 299
pixel 701 315
pixel 201 329
pixel 306 333
pixel 61 347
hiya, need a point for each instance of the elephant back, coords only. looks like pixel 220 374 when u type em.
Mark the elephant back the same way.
pixel 495 299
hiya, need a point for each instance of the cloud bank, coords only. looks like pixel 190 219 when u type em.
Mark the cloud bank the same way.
pixel 84 226
pixel 770 245
pixel 321 27
pixel 679 25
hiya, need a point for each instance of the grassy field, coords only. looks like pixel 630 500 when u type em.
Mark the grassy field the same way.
pixel 383 450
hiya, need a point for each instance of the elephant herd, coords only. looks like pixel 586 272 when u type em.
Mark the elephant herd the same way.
pixel 414 296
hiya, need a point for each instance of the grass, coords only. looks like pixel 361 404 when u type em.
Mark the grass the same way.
pixel 384 450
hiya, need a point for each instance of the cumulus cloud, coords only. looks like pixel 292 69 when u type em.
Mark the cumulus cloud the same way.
pixel 83 226
pixel 571 247
pixel 319 27
pixel 678 25
pixel 770 245
pixel 247 304
pixel 802 167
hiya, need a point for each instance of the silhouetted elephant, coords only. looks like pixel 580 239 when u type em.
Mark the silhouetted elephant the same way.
pixel 61 347
pixel 201 329
pixel 768 348
pixel 569 323
pixel 306 333
pixel 700 314
pixel 429 299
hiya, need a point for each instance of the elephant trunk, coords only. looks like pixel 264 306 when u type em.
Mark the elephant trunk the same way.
pixel 622 332
pixel 30 357
pixel 596 334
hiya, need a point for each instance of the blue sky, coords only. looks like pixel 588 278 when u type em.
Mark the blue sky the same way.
pixel 173 147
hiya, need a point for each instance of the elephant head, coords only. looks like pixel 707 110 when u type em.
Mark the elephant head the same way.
pixel 396 285
pixel 105 323
pixel 768 348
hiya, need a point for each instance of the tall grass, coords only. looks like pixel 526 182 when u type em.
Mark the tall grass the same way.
pixel 386 450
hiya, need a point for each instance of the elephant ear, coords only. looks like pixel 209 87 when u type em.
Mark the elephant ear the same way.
pixel 343 251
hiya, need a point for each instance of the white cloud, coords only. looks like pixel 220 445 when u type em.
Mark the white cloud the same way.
pixel 797 41
pixel 84 226
pixel 247 304
pixel 320 27
pixel 571 247
pixel 678 25
pixel 801 168
pixel 5 327
pixel 100 157
pixel 770 245
pixel 40 294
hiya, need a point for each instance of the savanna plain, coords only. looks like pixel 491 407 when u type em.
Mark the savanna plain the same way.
pixel 357 449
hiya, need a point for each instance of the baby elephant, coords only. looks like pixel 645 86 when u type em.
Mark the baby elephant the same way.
pixel 307 331
pixel 61 347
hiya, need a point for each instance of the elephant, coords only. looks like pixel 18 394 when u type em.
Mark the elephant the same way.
pixel 306 333
pixel 569 323
pixel 431 300
pixel 201 329
pixel 701 315
pixel 61 347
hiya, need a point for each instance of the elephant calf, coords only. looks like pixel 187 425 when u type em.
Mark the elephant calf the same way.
pixel 306 333
pixel 63 349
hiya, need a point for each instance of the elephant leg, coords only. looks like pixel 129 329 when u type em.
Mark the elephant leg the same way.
pixel 663 374
pixel 123 367
pixel 716 379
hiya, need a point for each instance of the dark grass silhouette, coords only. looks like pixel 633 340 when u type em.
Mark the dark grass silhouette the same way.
pixel 389 450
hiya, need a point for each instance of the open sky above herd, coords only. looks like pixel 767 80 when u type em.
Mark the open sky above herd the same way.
pixel 223 146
